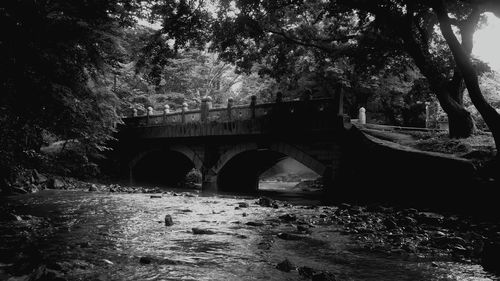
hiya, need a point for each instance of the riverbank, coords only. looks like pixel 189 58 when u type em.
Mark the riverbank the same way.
pixel 82 234
pixel 479 148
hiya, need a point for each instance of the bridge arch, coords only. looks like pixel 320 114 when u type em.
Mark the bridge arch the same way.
pixel 164 167
pixel 240 167
pixel 280 147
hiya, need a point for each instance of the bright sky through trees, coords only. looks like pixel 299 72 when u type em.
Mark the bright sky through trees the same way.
pixel 487 42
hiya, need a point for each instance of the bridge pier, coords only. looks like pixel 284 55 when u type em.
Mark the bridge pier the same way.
pixel 209 183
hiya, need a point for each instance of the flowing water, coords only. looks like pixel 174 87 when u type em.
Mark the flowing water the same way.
pixel 102 236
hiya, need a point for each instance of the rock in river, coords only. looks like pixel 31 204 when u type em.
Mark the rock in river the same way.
pixel 265 202
pixel 285 266
pixel 243 205
pixel 324 276
pixel 168 220
pixel 202 231
pixel 290 236
pixel 255 223
pixel 56 184
pixel 305 271
pixel 145 260
pixel 288 217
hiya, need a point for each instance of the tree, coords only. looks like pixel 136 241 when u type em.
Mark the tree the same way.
pixel 373 33
pixel 409 21
pixel 53 57
pixel 464 63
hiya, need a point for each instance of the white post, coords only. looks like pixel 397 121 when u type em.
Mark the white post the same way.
pixel 427 115
pixel 167 109
pixel 362 116
pixel 150 111
pixel 134 112
pixel 184 110
pixel 209 102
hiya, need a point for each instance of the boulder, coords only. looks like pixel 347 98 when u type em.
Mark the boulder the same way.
pixel 303 229
pixel 85 244
pixel 31 188
pixel 38 178
pixel 389 224
pixel 44 274
pixel 285 266
pixel 93 188
pixel 305 271
pixel 324 276
pixel 145 260
pixel 344 206
pixel 407 221
pixel 17 190
pixel 379 209
pixel 10 217
pixel 429 218
pixel 288 217
pixel 255 223
pixel 265 202
pixel 54 183
pixel 197 230
pixel 168 220
pixel 451 242
pixel 243 205
pixel 290 236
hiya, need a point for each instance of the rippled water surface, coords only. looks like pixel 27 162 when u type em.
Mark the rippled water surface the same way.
pixel 102 236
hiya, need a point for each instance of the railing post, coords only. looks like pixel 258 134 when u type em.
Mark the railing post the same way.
pixel 204 109
pixel 183 114
pixel 230 108
pixel 134 112
pixel 253 103
pixel 209 102
pixel 427 114
pixel 362 116
pixel 166 111
pixel 339 100
pixel 149 113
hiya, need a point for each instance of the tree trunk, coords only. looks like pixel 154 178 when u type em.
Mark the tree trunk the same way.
pixel 490 115
pixel 460 121
pixel 461 124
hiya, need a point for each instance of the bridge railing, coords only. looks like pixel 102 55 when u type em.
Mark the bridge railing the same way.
pixel 231 113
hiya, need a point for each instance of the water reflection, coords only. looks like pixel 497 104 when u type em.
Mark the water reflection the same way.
pixel 102 236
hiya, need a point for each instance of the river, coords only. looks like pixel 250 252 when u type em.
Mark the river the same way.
pixel 103 236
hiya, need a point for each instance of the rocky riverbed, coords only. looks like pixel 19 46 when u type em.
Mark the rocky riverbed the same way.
pixel 111 232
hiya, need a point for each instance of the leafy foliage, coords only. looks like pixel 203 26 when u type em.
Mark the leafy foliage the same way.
pixel 53 56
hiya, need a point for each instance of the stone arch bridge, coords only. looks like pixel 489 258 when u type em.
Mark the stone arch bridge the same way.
pixel 233 145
